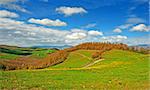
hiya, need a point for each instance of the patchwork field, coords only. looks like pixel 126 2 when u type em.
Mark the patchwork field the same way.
pixel 11 53
pixel 119 70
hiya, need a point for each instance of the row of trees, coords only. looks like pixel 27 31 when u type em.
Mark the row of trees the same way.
pixel 98 46
pixel 29 63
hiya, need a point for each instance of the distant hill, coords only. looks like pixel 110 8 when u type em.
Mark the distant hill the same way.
pixel 58 47
pixel 142 45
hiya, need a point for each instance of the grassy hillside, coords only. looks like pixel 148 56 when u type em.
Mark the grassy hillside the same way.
pixel 12 52
pixel 76 59
pixel 119 70
pixel 42 53
pixel 7 56
pixel 55 58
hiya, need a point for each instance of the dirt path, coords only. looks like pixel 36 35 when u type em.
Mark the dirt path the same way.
pixel 90 64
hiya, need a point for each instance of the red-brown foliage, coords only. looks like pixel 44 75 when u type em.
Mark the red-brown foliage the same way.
pixel 60 56
pixel 29 63
pixel 98 54
pixel 98 46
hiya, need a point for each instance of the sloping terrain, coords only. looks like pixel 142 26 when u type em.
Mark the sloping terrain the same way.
pixel 77 59
pixel 19 56
pixel 57 57
pixel 119 70
pixel 12 52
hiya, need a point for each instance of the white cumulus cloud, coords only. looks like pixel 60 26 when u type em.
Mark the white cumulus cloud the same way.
pixel 140 28
pixel 47 22
pixel 20 33
pixel 68 11
pixel 13 32
pixel 95 33
pixel 117 30
pixel 76 36
pixel 117 38
pixel 8 14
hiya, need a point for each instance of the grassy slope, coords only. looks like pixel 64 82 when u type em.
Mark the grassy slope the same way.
pixel 42 53
pixel 7 56
pixel 35 54
pixel 120 70
pixel 76 59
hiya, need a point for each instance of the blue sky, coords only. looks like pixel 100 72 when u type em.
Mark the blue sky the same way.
pixel 61 22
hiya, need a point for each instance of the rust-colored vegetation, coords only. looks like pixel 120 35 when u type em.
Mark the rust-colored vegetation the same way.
pixel 61 55
pixel 29 63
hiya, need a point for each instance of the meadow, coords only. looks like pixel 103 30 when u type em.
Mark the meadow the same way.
pixel 77 59
pixel 11 53
pixel 120 70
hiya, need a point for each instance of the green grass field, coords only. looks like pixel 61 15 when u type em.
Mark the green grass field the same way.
pixel 77 59
pixel 8 56
pixel 120 70
pixel 34 54
pixel 41 53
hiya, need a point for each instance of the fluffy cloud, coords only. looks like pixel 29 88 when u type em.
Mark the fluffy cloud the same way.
pixel 13 32
pixel 95 33
pixel 117 30
pixel 141 28
pixel 11 4
pixel 19 33
pixel 6 14
pixel 68 11
pixel 117 38
pixel 80 35
pixel 48 22
pixel 76 36
pixel 130 22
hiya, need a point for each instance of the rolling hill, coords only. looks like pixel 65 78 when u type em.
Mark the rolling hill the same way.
pixel 120 70
pixel 77 59
pixel 14 52
pixel 57 57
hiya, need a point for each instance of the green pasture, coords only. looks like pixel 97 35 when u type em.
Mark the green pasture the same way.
pixel 120 70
